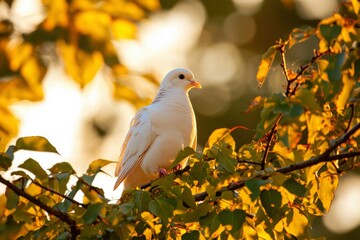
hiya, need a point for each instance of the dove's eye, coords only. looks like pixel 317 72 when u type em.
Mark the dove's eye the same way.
pixel 181 76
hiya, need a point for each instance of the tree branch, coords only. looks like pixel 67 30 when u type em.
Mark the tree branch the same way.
pixel 75 231
pixel 324 157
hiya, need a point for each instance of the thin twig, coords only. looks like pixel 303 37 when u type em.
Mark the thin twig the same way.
pixel 75 231
pixel 351 117
pixel 269 141
pixel 59 194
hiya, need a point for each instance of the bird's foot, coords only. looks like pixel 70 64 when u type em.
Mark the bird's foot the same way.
pixel 162 172
pixel 178 167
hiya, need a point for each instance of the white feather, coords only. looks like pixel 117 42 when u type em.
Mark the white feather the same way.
pixel 158 131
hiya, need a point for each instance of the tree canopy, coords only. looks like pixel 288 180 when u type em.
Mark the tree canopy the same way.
pixel 271 188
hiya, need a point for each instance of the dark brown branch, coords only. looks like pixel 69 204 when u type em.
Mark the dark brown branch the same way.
pixel 324 157
pixel 269 141
pixel 62 216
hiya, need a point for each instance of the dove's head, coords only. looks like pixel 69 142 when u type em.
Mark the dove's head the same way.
pixel 180 77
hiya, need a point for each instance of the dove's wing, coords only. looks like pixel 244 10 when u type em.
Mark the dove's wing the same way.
pixel 137 142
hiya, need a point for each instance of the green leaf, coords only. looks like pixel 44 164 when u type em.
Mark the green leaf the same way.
pixel 254 186
pixel 142 199
pixel 271 201
pixel 233 220
pixel 5 162
pixel 225 159
pixel 202 210
pixel 96 165
pixel 265 65
pixel 35 143
pixel 294 187
pixel 191 235
pixel 211 221
pixel 308 100
pixel 161 208
pixel 92 213
pixel 184 153
pixel 12 199
pixel 62 167
pixel 34 167
pixel 188 198
pixel 330 32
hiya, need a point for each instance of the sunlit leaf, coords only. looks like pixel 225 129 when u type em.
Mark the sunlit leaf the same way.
pixel 8 126
pixel 80 65
pixel 348 86
pixel 161 208
pixel 220 135
pixel 93 23
pixel 35 168
pixel 255 104
pixel 183 154
pixel 96 165
pixel 327 187
pixel 35 143
pixel 123 29
pixel 356 6
pixel 299 35
pixel 57 14
pixel 62 167
pixel 265 65
pixel 297 223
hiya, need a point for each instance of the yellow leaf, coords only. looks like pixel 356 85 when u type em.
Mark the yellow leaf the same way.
pixel 57 14
pixel 345 93
pixel 123 9
pixel 328 185
pixel 19 54
pixel 265 65
pixel 356 6
pixel 220 135
pixel 150 4
pixel 8 125
pixel 33 190
pixel 298 223
pixel 80 65
pixel 93 23
pixel 123 29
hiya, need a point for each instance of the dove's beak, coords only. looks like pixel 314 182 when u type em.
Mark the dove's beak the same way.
pixel 195 84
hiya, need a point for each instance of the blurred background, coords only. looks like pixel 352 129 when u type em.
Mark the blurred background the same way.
pixel 220 41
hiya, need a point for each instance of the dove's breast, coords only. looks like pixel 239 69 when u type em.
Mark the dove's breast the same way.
pixel 175 128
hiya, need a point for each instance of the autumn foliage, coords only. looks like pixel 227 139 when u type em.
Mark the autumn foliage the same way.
pixel 270 188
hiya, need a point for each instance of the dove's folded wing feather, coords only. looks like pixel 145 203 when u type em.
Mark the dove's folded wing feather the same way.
pixel 137 142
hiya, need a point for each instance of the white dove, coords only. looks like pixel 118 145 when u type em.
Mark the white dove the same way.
pixel 159 131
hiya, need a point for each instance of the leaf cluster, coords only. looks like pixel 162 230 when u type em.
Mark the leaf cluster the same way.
pixel 79 32
pixel 270 188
